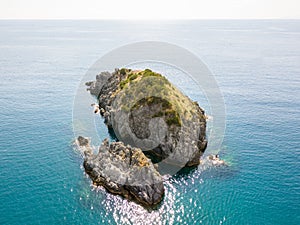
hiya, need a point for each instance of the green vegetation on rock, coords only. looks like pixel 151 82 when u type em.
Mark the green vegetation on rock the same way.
pixel 138 84
pixel 133 75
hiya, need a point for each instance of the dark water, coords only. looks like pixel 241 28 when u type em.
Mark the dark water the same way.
pixel 256 64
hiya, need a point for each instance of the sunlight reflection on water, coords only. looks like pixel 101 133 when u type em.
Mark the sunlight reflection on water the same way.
pixel 127 212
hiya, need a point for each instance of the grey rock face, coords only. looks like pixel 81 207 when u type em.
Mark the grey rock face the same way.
pixel 125 171
pixel 184 140
pixel 95 86
pixel 152 120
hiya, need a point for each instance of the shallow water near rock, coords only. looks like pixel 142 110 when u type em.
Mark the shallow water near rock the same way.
pixel 256 64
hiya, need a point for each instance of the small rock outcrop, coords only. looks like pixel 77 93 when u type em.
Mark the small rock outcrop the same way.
pixel 84 145
pixel 123 170
pixel 95 86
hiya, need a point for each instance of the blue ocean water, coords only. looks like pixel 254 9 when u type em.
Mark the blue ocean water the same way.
pixel 256 64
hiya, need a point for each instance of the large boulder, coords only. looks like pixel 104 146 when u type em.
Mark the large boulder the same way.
pixel 145 110
pixel 123 170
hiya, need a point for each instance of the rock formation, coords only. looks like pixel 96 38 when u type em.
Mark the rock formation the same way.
pixel 123 170
pixel 129 100
pixel 154 123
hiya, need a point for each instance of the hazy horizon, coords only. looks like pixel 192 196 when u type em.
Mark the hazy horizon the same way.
pixel 146 10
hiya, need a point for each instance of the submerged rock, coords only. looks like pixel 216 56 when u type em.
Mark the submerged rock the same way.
pixel 126 171
pixel 84 145
pixel 215 160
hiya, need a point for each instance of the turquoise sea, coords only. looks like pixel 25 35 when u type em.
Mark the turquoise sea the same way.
pixel 257 66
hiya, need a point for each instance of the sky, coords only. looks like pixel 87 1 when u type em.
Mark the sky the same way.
pixel 150 9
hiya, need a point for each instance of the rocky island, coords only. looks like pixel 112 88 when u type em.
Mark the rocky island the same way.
pixel 158 130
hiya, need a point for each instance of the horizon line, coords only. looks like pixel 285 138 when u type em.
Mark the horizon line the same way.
pixel 163 19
